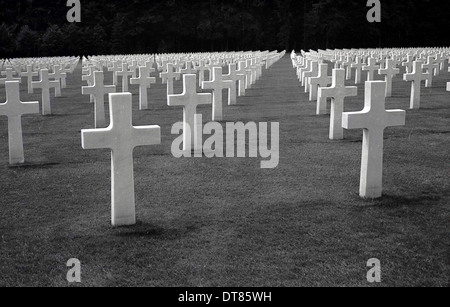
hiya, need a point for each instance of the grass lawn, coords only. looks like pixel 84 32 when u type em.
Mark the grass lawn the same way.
pixel 226 222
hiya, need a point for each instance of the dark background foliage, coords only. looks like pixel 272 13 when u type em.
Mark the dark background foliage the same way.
pixel 40 27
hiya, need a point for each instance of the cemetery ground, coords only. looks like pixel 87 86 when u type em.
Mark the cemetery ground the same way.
pixel 226 222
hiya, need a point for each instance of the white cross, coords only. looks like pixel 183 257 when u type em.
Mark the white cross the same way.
pixel 149 65
pixel 177 69
pixel 416 78
pixel 338 91
pixel 169 77
pixel 390 72
pixel 13 108
pixel 189 100
pixel 57 76
pixel 409 64
pixel 374 119
pixel 121 137
pixel 201 68
pixel 303 69
pixel 125 74
pixel 440 60
pixel 321 81
pixel 45 84
pixel 248 74
pixel 371 68
pixel 115 69
pixel 359 66
pixel 188 70
pixel 134 68
pixel 89 78
pixel 217 85
pixel 9 76
pixel 241 72
pixel 233 77
pixel 429 67
pixel 29 74
pixel 313 72
pixel 144 82
pixel 99 90
pixel 347 63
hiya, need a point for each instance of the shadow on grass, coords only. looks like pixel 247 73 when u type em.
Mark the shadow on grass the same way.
pixel 143 229
pixel 31 165
pixel 70 114
pixel 396 201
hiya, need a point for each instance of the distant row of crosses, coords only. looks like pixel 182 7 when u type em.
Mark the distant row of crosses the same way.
pixel 374 14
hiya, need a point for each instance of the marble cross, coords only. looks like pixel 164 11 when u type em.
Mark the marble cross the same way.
pixel 241 72
pixel 233 77
pixel 57 75
pixel 201 68
pixel 359 64
pixel 121 137
pixel 115 69
pixel 306 75
pixel 338 91
pixel 189 100
pixel 217 85
pixel 415 77
pixel 29 74
pixel 374 119
pixel 429 67
pixel 9 76
pixel 409 64
pixel 13 108
pixel 169 77
pixel 323 80
pixel 389 72
pixel 347 64
pixel 188 70
pixel 248 75
pixel 144 82
pixel 134 68
pixel 371 68
pixel 126 75
pixel 45 84
pixel 99 90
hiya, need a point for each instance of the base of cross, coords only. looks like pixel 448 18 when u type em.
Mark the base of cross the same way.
pixel 370 193
pixel 196 153
pixel 123 221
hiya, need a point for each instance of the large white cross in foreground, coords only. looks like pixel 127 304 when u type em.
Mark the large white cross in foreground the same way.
pixel 121 137
pixel 374 119
pixel 13 108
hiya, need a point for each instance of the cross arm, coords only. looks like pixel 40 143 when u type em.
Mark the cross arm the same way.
pixel 355 120
pixel 96 138
pixel 146 135
pixel 396 118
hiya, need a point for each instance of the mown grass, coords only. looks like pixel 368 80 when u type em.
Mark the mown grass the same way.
pixel 226 222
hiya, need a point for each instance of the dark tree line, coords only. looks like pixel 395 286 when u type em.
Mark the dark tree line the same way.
pixel 40 27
